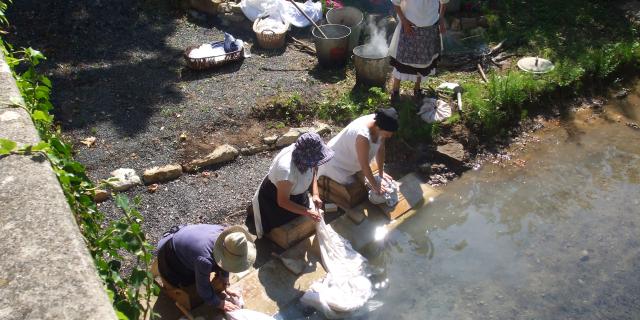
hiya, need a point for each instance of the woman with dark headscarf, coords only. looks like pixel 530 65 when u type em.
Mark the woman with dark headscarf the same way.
pixel 357 144
pixel 284 192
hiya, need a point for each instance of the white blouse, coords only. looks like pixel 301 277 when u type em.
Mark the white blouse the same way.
pixel 345 161
pixel 282 168
pixel 422 13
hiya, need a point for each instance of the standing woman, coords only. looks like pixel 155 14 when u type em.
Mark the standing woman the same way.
pixel 416 44
pixel 284 192
pixel 357 144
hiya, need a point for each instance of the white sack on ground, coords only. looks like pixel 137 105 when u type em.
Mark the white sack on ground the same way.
pixel 282 10
pixel 433 110
pixel 294 17
pixel 345 289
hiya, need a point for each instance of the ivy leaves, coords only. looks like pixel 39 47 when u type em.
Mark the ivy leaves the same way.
pixel 7 146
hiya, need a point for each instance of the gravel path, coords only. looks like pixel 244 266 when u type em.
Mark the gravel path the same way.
pixel 221 197
pixel 119 75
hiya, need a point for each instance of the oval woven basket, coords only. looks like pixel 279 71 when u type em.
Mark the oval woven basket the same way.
pixel 268 38
pixel 212 61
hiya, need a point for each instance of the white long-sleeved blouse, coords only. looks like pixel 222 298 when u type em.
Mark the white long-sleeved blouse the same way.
pixel 422 13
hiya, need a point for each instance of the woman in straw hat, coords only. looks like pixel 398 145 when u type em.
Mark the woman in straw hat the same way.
pixel 416 43
pixel 357 144
pixel 188 255
pixel 284 192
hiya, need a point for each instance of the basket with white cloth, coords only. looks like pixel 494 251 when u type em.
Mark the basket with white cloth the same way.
pixel 271 33
pixel 210 55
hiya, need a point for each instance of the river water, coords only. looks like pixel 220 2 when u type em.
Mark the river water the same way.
pixel 551 233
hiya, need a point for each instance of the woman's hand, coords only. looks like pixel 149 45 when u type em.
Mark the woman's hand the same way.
pixel 407 26
pixel 227 306
pixel 315 215
pixel 317 201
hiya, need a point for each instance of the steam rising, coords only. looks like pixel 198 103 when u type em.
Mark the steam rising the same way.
pixel 376 46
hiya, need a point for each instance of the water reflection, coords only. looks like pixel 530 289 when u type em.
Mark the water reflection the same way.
pixel 555 239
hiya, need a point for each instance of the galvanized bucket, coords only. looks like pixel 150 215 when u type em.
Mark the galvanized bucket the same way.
pixel 350 17
pixel 370 70
pixel 332 52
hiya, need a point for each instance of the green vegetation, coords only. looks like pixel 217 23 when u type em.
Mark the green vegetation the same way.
pixel 589 42
pixel 107 245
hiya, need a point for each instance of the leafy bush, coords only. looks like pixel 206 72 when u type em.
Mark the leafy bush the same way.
pixel 106 245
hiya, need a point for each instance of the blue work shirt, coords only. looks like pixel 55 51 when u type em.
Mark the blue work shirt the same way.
pixel 193 245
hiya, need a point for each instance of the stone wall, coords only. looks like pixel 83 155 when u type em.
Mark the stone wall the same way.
pixel 46 271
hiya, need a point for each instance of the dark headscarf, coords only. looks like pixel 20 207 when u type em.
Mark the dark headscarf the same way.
pixel 387 119
pixel 310 151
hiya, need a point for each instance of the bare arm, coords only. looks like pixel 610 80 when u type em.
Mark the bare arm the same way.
pixel 380 158
pixel 443 25
pixel 407 26
pixel 362 150
pixel 284 190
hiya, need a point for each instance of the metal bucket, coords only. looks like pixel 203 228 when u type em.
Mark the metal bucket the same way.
pixel 333 51
pixel 371 70
pixel 350 17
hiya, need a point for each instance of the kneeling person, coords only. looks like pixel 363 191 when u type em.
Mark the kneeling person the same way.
pixel 188 255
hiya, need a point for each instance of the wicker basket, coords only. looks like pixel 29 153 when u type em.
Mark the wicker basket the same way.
pixel 269 39
pixel 213 61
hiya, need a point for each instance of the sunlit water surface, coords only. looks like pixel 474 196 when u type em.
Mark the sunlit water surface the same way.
pixel 555 235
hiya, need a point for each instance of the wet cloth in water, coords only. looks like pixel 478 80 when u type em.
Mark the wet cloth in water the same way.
pixel 346 289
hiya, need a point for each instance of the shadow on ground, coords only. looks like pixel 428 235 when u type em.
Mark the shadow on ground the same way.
pixel 108 55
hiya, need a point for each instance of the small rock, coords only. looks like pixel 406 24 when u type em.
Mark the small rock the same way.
pixel 296 266
pixel 251 150
pixel 183 136
pixel 270 139
pixel 322 128
pixel 152 188
pixel 585 255
pixel 633 125
pixel 126 178
pixel 160 174
pixel 621 94
pixel 223 153
pixel 206 6
pixel 453 150
pixel 290 137
pixel 101 195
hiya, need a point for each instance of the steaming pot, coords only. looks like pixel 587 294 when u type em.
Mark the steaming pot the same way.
pixel 370 70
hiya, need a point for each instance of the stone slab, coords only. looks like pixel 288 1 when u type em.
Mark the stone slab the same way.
pixel 273 287
pixel 46 271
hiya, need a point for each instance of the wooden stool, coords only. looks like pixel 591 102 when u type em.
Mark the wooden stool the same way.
pixel 185 298
pixel 182 298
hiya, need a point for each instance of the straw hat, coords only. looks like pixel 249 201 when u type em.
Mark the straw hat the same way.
pixel 234 251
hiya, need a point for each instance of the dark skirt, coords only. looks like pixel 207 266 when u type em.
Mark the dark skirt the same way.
pixel 420 48
pixel 271 214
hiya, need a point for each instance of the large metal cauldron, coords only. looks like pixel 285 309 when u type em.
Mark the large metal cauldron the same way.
pixel 350 17
pixel 333 51
pixel 371 70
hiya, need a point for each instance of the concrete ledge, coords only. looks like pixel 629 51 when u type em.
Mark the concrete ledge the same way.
pixel 46 271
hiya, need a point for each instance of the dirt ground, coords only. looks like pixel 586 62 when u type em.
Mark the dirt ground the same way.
pixel 119 75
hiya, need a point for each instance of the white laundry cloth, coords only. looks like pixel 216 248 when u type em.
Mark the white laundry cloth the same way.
pixel 253 9
pixel 433 110
pixel 390 197
pixel 346 289
pixel 246 314
pixel 291 14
